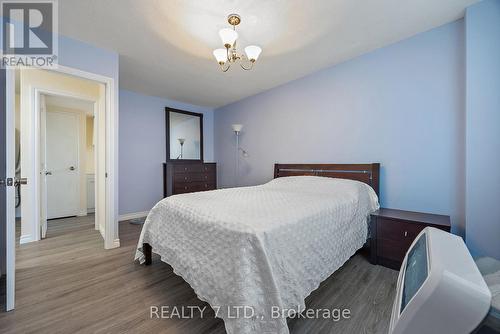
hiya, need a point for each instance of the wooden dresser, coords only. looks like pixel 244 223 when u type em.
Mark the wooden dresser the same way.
pixel 188 177
pixel 393 231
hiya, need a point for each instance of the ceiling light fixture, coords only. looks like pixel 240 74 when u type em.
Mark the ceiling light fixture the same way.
pixel 228 56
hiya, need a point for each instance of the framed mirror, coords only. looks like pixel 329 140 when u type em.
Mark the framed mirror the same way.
pixel 184 134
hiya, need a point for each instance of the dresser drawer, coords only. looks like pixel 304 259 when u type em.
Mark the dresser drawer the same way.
pixel 208 168
pixel 188 168
pixel 393 250
pixel 187 187
pixel 208 177
pixel 194 177
pixel 188 177
pixel 397 231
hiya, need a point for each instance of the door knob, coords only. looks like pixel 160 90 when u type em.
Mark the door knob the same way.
pixel 48 173
pixel 72 168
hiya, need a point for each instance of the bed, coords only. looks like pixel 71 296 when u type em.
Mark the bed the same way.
pixel 255 253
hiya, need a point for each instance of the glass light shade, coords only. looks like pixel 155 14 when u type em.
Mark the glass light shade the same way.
pixel 253 52
pixel 220 55
pixel 237 127
pixel 228 36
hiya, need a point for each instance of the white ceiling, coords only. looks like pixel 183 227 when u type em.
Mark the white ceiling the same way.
pixel 165 46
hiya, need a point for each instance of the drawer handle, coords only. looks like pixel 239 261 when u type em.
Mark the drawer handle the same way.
pixel 206 185
pixel 406 233
pixel 185 168
pixel 185 178
pixel 185 187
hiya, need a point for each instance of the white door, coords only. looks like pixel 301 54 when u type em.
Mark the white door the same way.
pixel 7 195
pixel 61 164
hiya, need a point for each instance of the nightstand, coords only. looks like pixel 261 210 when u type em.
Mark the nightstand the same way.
pixel 393 231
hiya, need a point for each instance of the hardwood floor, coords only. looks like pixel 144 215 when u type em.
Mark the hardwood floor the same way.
pixel 68 283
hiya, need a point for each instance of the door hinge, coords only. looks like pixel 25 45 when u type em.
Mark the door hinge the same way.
pixel 105 174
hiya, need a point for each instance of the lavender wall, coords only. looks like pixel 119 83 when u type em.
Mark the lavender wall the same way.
pixel 142 148
pixel 402 106
pixel 483 128
pixel 77 54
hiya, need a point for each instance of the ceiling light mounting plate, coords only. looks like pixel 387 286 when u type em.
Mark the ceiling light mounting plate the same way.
pixel 233 19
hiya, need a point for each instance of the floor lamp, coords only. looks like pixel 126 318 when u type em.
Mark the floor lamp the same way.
pixel 237 129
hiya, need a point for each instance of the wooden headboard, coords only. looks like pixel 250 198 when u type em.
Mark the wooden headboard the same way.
pixel 367 173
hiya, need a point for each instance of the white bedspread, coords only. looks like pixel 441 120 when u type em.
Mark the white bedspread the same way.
pixel 263 246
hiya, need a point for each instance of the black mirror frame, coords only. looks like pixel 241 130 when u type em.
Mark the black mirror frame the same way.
pixel 167 133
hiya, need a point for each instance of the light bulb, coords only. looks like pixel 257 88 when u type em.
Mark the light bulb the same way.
pixel 237 127
pixel 228 37
pixel 253 52
pixel 221 56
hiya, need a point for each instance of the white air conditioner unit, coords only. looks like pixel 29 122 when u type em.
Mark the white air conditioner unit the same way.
pixel 440 288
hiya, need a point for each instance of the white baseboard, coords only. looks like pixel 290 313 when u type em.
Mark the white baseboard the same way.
pixel 25 239
pixel 133 215
pixel 114 244
pixel 82 213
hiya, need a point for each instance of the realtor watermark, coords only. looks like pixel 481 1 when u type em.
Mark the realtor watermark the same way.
pixel 246 312
pixel 29 34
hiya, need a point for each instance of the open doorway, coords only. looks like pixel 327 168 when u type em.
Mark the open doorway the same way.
pixel 67 162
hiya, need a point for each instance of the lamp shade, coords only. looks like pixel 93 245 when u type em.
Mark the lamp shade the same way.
pixel 220 55
pixel 237 127
pixel 253 52
pixel 228 36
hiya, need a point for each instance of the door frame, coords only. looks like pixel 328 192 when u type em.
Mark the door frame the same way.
pixel 110 116
pixel 105 196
